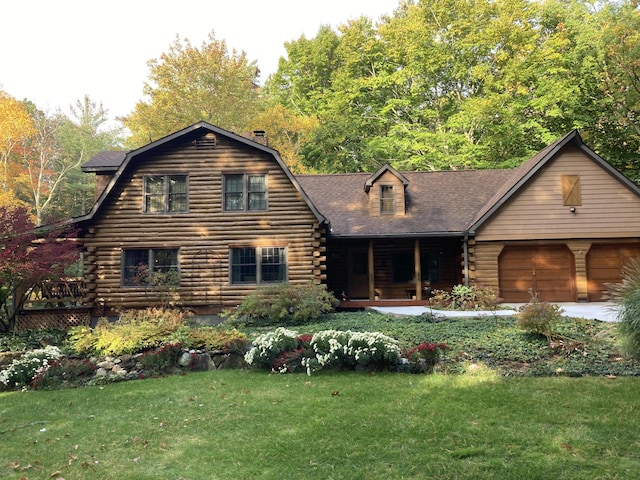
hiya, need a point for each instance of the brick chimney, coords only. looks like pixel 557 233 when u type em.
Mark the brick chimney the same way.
pixel 260 136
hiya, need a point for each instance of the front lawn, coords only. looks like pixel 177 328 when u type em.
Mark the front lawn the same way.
pixel 501 405
pixel 251 424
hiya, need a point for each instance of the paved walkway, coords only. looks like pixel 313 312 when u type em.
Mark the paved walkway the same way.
pixel 604 311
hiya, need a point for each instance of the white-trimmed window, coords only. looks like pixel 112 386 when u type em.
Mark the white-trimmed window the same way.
pixel 243 192
pixel 255 265
pixel 150 266
pixel 165 193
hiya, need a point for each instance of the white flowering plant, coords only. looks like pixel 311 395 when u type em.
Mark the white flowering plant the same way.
pixel 347 349
pixel 23 370
pixel 268 347
pixel 284 351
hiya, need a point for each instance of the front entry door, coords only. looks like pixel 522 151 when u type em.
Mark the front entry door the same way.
pixel 358 274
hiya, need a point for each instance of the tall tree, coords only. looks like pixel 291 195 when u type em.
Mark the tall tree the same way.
pixel 16 126
pixel 467 84
pixel 44 165
pixel 613 65
pixel 189 84
pixel 84 133
pixel 287 132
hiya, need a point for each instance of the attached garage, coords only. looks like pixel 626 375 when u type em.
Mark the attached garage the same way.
pixel 605 264
pixel 545 270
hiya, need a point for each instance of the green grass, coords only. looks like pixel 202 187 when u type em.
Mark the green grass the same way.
pixel 502 406
pixel 250 424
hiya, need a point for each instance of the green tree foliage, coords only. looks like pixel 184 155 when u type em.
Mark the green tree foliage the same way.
pixel 614 44
pixel 189 84
pixel 451 84
pixel 82 135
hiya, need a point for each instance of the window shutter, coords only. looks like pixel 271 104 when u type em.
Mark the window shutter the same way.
pixel 571 192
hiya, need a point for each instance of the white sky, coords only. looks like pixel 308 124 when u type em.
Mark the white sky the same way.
pixel 53 52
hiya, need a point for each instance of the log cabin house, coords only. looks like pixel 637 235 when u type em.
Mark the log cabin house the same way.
pixel 216 214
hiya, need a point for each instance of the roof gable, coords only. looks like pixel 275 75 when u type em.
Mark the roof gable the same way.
pixel 525 172
pixel 106 162
pixel 385 168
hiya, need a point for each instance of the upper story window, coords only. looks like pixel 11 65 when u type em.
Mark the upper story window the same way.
pixel 165 193
pixel 245 192
pixel 387 199
pixel 150 267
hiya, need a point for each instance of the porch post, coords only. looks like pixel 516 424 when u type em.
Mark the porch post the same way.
pixel 372 286
pixel 465 248
pixel 418 268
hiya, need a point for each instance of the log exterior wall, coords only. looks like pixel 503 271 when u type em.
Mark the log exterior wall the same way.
pixel 204 234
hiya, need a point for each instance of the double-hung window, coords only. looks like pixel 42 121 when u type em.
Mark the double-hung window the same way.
pixel 255 265
pixel 387 199
pixel 150 266
pixel 243 192
pixel 165 193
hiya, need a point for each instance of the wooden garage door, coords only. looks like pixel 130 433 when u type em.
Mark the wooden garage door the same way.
pixel 605 264
pixel 545 270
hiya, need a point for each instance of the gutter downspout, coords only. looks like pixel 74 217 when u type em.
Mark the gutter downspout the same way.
pixel 465 256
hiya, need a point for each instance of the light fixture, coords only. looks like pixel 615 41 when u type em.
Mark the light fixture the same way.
pixel 572 209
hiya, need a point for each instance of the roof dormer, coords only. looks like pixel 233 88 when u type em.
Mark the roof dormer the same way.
pixel 386 191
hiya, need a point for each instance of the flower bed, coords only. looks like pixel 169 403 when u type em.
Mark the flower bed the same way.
pixel 285 351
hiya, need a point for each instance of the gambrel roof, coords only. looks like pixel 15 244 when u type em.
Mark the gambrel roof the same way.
pixel 119 162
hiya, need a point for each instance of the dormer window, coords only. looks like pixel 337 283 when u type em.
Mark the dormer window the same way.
pixel 387 200
pixel 386 190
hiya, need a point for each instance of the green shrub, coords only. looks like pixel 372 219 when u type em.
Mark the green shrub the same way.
pixel 30 339
pixel 284 304
pixel 135 331
pixel 539 318
pixel 464 297
pixel 217 338
pixel 626 295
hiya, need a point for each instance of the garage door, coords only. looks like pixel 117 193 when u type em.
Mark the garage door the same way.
pixel 545 270
pixel 605 264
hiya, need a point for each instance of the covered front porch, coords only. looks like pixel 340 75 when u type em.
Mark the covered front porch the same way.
pixel 382 270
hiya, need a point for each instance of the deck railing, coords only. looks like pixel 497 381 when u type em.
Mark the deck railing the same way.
pixel 55 294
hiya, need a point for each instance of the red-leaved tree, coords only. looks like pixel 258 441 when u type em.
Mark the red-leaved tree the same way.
pixel 28 256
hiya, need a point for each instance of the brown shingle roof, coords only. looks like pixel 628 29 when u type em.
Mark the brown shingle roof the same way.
pixel 437 202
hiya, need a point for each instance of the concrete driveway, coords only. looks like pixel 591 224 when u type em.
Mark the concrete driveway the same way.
pixel 603 311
